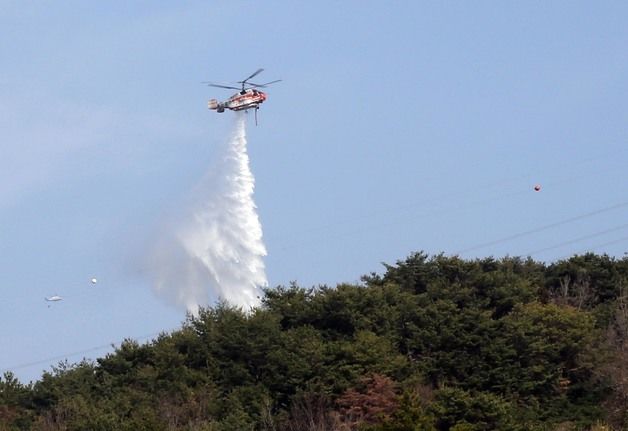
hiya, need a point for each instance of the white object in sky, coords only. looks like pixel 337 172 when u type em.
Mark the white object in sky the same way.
pixel 53 298
pixel 94 281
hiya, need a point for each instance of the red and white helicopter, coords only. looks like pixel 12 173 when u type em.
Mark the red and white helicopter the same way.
pixel 249 97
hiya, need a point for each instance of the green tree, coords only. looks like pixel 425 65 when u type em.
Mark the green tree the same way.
pixel 456 409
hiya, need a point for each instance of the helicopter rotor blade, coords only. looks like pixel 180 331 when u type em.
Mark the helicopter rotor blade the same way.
pixel 258 71
pixel 222 86
pixel 244 83
pixel 263 85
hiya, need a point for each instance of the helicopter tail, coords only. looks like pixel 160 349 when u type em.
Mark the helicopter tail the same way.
pixel 214 104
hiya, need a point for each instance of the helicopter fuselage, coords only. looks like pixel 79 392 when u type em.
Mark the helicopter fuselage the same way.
pixel 249 98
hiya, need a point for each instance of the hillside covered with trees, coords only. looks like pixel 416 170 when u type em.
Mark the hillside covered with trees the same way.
pixel 433 343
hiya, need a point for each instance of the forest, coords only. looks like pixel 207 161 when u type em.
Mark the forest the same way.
pixel 431 343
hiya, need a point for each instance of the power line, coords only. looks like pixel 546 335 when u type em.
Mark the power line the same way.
pixel 452 194
pixel 53 358
pixel 543 228
pixel 76 353
pixel 615 241
pixel 582 238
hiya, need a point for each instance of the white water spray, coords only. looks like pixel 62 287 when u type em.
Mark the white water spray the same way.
pixel 217 250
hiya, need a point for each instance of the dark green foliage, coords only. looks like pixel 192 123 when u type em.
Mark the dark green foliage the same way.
pixel 459 409
pixel 411 415
pixel 599 276
pixel 453 344
pixel 14 397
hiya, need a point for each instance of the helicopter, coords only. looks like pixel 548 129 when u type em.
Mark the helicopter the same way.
pixel 248 96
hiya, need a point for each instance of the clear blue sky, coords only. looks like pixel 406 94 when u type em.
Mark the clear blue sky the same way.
pixel 398 127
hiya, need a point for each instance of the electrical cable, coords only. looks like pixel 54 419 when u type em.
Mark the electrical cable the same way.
pixel 543 228
pixel 71 354
pixel 582 238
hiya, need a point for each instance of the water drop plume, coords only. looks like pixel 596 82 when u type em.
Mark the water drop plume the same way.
pixel 216 251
